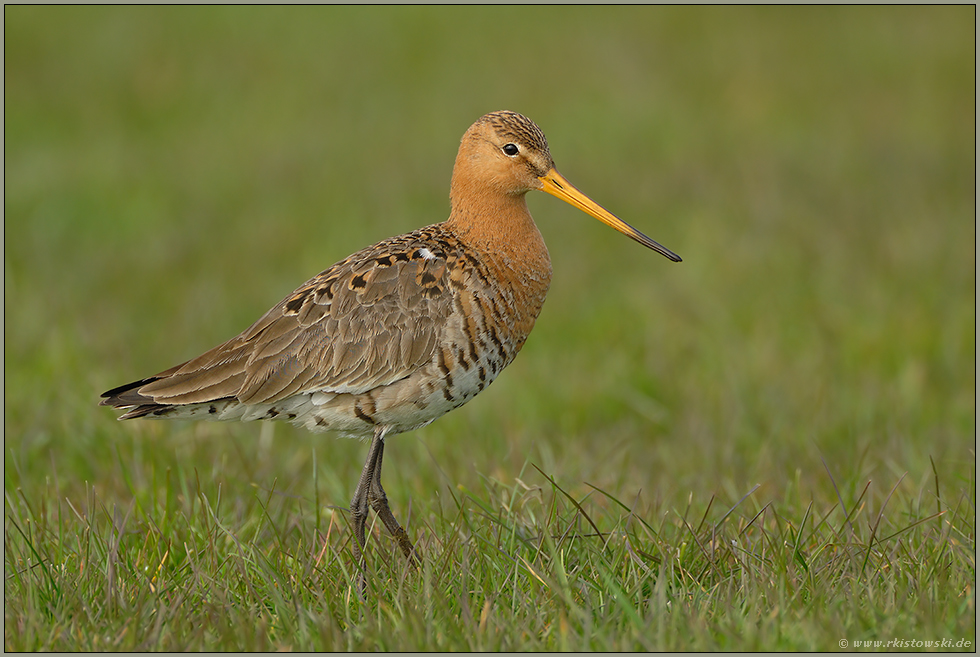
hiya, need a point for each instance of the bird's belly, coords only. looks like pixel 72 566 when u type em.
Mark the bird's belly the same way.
pixel 404 405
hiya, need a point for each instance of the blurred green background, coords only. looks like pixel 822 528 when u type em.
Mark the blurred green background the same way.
pixel 170 173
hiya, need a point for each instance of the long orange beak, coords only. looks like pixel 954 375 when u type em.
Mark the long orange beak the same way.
pixel 555 184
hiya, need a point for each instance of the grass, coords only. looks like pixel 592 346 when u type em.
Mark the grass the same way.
pixel 770 446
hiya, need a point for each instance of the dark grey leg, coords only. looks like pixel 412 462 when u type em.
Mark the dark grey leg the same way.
pixel 379 502
pixel 370 493
pixel 359 504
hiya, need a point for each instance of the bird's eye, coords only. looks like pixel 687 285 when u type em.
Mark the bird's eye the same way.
pixel 511 149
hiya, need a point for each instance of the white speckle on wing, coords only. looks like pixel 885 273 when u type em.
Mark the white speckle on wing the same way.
pixel 427 254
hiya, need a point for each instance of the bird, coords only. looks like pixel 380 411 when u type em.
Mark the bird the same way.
pixel 399 333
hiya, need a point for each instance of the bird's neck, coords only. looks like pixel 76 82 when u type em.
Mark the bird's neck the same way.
pixel 499 231
pixel 500 234
pixel 498 225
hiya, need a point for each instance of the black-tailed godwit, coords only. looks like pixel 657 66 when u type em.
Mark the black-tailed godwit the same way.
pixel 401 332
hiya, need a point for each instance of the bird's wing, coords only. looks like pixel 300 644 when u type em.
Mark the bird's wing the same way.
pixel 367 321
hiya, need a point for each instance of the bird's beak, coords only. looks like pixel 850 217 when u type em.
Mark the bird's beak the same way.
pixel 555 184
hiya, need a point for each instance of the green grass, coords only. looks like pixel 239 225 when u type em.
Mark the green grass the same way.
pixel 770 446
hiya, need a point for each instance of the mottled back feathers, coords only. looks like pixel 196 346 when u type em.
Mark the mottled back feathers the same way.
pixel 367 321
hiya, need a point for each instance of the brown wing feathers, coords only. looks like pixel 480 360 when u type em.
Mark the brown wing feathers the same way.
pixel 367 321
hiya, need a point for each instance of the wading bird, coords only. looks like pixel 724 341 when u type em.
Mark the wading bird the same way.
pixel 397 334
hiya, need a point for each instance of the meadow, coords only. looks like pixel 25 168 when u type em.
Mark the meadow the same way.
pixel 769 446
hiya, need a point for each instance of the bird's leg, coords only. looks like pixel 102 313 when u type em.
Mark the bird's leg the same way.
pixel 359 504
pixel 370 493
pixel 379 502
